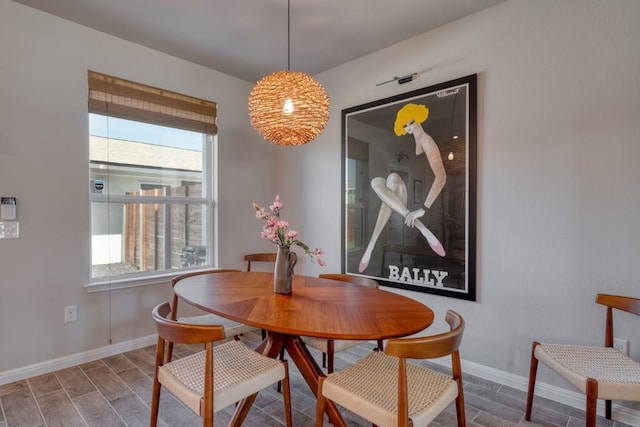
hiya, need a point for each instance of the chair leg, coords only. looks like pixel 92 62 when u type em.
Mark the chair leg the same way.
pixel 607 409
pixel 157 387
pixel 330 353
pixel 321 404
pixel 381 345
pixel 155 403
pixel 287 396
pixel 462 418
pixel 592 400
pixel 532 380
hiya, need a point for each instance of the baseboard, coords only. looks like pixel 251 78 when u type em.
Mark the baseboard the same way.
pixel 620 413
pixel 567 397
pixel 75 359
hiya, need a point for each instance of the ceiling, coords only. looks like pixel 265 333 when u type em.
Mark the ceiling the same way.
pixel 248 38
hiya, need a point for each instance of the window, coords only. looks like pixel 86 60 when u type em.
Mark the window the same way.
pixel 151 176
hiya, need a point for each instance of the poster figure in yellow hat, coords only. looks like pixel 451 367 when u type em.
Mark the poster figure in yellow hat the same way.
pixel 392 191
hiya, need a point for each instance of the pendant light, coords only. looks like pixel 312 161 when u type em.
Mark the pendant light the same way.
pixel 288 107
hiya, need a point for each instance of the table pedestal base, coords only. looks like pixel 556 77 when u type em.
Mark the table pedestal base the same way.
pixel 306 364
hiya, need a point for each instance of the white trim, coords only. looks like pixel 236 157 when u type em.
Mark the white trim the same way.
pixel 142 279
pixel 174 200
pixel 132 282
pixel 29 371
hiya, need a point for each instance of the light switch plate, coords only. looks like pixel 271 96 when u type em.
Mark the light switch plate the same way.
pixel 9 229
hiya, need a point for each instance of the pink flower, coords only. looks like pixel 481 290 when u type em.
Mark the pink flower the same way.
pixel 291 234
pixel 277 231
pixel 317 255
pixel 283 225
pixel 260 213
pixel 272 221
pixel 276 206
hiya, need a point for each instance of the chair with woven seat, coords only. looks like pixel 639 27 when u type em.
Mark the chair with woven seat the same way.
pixel 599 372
pixel 231 328
pixel 216 377
pixel 329 347
pixel 388 390
pixel 260 257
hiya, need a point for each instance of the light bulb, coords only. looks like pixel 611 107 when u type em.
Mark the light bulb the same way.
pixel 288 106
pixel 450 156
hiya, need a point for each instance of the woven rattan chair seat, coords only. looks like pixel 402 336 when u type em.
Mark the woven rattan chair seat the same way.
pixel 238 372
pixel 368 387
pixel 618 375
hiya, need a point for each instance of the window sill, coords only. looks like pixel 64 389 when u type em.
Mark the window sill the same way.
pixel 125 283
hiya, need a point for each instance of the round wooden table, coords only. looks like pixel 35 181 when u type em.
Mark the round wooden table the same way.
pixel 321 308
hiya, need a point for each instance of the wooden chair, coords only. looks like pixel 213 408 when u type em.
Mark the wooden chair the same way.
pixel 216 377
pixel 599 372
pixel 330 347
pixel 263 257
pixel 260 257
pixel 231 328
pixel 387 390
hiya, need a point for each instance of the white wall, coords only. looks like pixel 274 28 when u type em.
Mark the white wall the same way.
pixel 557 183
pixel 44 163
pixel 558 147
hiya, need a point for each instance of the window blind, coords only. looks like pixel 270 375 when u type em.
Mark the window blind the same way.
pixel 116 97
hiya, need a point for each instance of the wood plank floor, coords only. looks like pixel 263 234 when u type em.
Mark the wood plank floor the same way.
pixel 116 391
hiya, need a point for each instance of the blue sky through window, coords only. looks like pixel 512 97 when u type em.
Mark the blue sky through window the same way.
pixel 111 127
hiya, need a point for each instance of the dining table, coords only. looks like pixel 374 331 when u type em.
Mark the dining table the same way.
pixel 316 307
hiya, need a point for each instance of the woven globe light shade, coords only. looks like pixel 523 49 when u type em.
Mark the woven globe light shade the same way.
pixel 288 108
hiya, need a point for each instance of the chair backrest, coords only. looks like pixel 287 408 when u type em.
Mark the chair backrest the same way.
pixel 261 257
pixel 430 347
pixel 358 280
pixel 174 302
pixel 628 304
pixel 175 332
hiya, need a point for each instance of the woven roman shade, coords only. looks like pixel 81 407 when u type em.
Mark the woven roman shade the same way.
pixel 116 97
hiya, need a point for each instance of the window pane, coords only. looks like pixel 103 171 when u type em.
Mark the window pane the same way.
pixel 146 237
pixel 133 158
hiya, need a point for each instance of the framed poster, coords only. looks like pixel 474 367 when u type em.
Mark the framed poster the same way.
pixel 409 177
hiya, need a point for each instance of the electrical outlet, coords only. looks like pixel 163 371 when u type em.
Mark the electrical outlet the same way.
pixel 70 313
pixel 621 345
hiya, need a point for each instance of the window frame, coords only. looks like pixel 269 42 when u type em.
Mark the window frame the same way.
pixel 207 199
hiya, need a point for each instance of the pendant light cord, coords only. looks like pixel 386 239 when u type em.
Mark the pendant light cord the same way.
pixel 288 35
